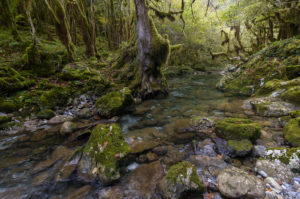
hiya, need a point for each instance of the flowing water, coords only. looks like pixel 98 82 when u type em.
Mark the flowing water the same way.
pixel 29 161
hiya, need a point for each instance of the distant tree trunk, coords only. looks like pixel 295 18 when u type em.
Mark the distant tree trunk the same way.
pixel 9 18
pixel 153 53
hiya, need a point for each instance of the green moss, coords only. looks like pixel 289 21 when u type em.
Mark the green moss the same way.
pixel 285 155
pixel 55 97
pixel 292 95
pixel 295 114
pixel 106 146
pixel 45 114
pixel 240 145
pixel 236 129
pixel 114 102
pixel 7 107
pixel 292 71
pixel 11 80
pixel 269 87
pixel 292 131
pixel 4 119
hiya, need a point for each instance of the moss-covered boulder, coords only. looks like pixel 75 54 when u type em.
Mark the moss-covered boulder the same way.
pixel 7 107
pixel 4 119
pixel 263 67
pixel 57 96
pixel 11 80
pixel 78 71
pixel 180 178
pixel 237 129
pixel 45 114
pixel 114 103
pixel 239 148
pixel 288 156
pixel 292 131
pixel 106 147
pixel 292 95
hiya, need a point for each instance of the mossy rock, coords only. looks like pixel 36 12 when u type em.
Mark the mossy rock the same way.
pixel 237 129
pixel 12 81
pixel 180 178
pixel 295 114
pixel 292 131
pixel 288 156
pixel 114 103
pixel 78 71
pixel 292 71
pixel 45 114
pixel 8 125
pixel 7 107
pixel 55 97
pixel 107 146
pixel 239 148
pixel 4 119
pixel 292 95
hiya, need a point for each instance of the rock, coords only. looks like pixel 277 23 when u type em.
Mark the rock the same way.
pixel 41 179
pixel 292 95
pixel 179 131
pixel 239 148
pixel 203 124
pixel 288 156
pixel 173 156
pixel 160 150
pixel 236 129
pixel 7 107
pixel 4 119
pixel 272 182
pixel 45 114
pixel 115 192
pixel 236 183
pixel 84 113
pixel 204 162
pixel 59 119
pixel 87 169
pixel 141 182
pixel 292 132
pixel 180 178
pixel 79 193
pixel 259 151
pixel 68 127
pixel 274 169
pixel 107 147
pixel 269 107
pixel 151 157
pixel 140 146
pixel 113 103
pixel 56 96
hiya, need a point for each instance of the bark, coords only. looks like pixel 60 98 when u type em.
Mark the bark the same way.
pixel 153 53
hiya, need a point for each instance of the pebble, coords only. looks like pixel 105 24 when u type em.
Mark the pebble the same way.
pixel 263 174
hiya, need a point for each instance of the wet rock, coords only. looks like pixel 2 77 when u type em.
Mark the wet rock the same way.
pixel 83 192
pixel 45 114
pixel 203 162
pixel 115 192
pixel 141 183
pixel 179 131
pixel 151 157
pixel 206 148
pixel 84 113
pixel 107 147
pixel 203 124
pixel 41 179
pixel 269 107
pixel 259 151
pixel 19 192
pixel 113 103
pixel 160 150
pixel 179 179
pixel 236 129
pixel 272 182
pixel 240 148
pixel 173 156
pixel 68 127
pixel 87 170
pixel 140 146
pixel 274 169
pixel 292 132
pixel 59 119
pixel 236 183
pixel 142 159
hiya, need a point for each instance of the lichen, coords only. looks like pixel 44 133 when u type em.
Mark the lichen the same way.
pixel 288 156
pixel 236 129
pixel 106 146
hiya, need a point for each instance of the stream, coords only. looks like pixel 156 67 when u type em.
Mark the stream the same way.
pixel 30 160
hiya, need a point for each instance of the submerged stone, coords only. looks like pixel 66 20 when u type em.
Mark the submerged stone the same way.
pixel 292 131
pixel 179 179
pixel 236 129
pixel 106 147
pixel 113 103
pixel 239 148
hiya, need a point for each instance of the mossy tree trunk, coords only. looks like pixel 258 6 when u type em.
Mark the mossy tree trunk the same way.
pixel 153 53
pixel 57 9
pixel 8 18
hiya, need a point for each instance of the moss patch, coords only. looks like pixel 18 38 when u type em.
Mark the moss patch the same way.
pixel 292 95
pixel 4 119
pixel 237 129
pixel 292 131
pixel 107 147
pixel 45 114
pixel 114 103
pixel 57 96
pixel 7 107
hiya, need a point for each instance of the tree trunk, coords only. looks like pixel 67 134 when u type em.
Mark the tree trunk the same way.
pixel 9 18
pixel 153 53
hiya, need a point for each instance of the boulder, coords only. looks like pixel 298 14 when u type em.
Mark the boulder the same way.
pixel 45 114
pixel 113 103
pixel 107 147
pixel 179 179
pixel 179 131
pixel 7 106
pixel 238 148
pixel 68 127
pixel 237 128
pixel 236 183
pixel 84 113
pixel 292 131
